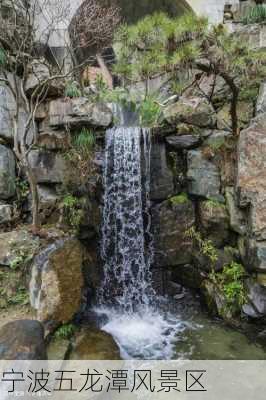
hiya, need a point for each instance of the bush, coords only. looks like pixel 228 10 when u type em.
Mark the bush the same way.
pixel 72 90
pixel 65 331
pixel 84 142
pixel 149 111
pixel 256 14
pixel 72 212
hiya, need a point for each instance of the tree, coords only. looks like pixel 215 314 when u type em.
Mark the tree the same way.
pixel 23 39
pixel 92 29
pixel 159 45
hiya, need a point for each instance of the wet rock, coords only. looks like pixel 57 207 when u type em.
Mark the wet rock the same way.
pixel 58 349
pixel 256 307
pixel 237 216
pixel 57 282
pixel 203 176
pixel 192 110
pixel 245 112
pixel 184 141
pixel 15 242
pixel 48 166
pixel 214 221
pixel 7 173
pixel 261 102
pixel 170 222
pixel 93 344
pixel 216 301
pixel 188 275
pixel 78 112
pixel 22 340
pixel 6 213
pixel 251 175
pixel 162 178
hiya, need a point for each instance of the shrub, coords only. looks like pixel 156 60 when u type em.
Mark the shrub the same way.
pixel 65 331
pixel 72 90
pixel 84 142
pixel 72 212
pixel 149 111
pixel 256 14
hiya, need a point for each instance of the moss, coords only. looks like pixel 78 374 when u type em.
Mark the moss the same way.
pixel 212 204
pixel 180 199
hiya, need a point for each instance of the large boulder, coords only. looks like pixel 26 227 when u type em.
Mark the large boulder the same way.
pixel 256 305
pixel 203 176
pixel 57 282
pixel 252 34
pixel 251 174
pixel 7 173
pixel 78 112
pixel 184 141
pixel 214 221
pixel 22 340
pixel 6 213
pixel 48 167
pixel 192 110
pixel 162 178
pixel 171 219
pixel 15 243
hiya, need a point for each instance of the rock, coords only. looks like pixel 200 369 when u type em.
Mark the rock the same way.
pixel 203 176
pixel 57 282
pixel 254 35
pixel 237 216
pixel 7 173
pixel 261 101
pixel 256 307
pixel 244 111
pixel 58 348
pixel 257 255
pixel 6 213
pixel 214 221
pixel 93 344
pixel 162 178
pixel 170 221
pixel 184 141
pixel 224 257
pixel 14 242
pixel 53 140
pixel 218 138
pixel 48 166
pixel 78 112
pixel 188 275
pixel 192 110
pixel 216 300
pixel 251 176
pixel 39 73
pixel 22 340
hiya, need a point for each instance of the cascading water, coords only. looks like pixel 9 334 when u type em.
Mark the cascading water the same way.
pixel 126 296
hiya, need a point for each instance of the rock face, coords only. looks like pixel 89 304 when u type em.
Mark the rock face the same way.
pixel 251 177
pixel 171 221
pixel 57 282
pixel 214 222
pixel 237 216
pixel 22 340
pixel 11 244
pixel 193 111
pixel 244 112
pixel 261 102
pixel 7 173
pixel 203 176
pixel 6 212
pixel 40 72
pixel 256 307
pixel 78 112
pixel 48 166
pixel 162 179
pixel 184 141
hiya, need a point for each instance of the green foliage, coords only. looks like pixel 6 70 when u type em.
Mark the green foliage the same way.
pixel 21 297
pixel 205 246
pixel 213 204
pixel 2 57
pixel 84 142
pixel 231 283
pixel 72 90
pixel 23 257
pixel 149 111
pixel 180 199
pixel 256 14
pixel 65 331
pixel 72 212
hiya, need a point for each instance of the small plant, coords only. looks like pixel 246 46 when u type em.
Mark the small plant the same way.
pixel 150 112
pixel 22 258
pixel 65 331
pixel 84 142
pixel 72 213
pixel 180 199
pixel 21 297
pixel 72 90
pixel 206 247
pixel 256 14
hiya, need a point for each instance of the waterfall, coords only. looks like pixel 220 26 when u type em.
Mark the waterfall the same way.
pixel 126 247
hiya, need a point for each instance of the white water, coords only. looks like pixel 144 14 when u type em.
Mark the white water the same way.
pixel 126 296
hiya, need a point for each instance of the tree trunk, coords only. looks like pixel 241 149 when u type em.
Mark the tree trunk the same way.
pixel 36 224
pixel 106 73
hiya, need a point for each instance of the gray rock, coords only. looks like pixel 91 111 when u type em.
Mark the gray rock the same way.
pixel 53 139
pixel 162 179
pixel 48 166
pixel 7 173
pixel 78 112
pixel 252 34
pixel 184 141
pixel 218 138
pixel 261 102
pixel 237 216
pixel 39 73
pixel 203 176
pixel 6 211
pixel 214 221
pixel 170 222
pixel 256 307
pixel 257 255
pixel 192 110
pixel 22 340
